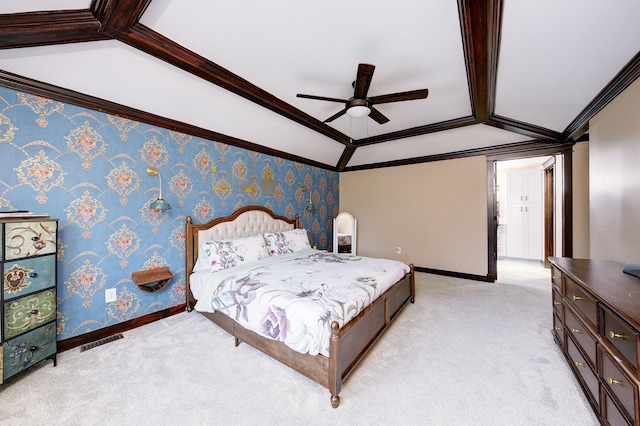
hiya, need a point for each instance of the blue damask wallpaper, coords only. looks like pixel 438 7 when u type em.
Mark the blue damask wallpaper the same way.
pixel 88 169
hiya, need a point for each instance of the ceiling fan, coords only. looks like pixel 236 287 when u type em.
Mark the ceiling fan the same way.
pixel 359 105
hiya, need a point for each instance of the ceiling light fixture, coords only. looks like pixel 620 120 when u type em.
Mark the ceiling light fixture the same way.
pixel 358 111
pixel 358 108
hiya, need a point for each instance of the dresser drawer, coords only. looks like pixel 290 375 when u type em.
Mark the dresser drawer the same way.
pixel 619 385
pixel 621 336
pixel 613 416
pixel 582 335
pixel 24 351
pixel 558 330
pixel 29 312
pixel 558 307
pixel 29 275
pixel 584 303
pixel 25 239
pixel 556 279
pixel 583 369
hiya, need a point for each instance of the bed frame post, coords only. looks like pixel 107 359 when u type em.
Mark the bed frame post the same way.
pixel 413 283
pixel 189 261
pixel 335 373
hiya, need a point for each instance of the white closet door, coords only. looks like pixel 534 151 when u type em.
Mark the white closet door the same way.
pixel 524 214
pixel 515 230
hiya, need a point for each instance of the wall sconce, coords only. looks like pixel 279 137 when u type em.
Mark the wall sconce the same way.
pixel 309 207
pixel 159 203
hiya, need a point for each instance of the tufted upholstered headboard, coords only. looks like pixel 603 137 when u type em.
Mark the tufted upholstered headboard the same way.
pixel 244 222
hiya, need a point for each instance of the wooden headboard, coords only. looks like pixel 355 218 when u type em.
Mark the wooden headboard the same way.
pixel 244 222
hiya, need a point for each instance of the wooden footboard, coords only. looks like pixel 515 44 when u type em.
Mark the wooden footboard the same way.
pixel 349 344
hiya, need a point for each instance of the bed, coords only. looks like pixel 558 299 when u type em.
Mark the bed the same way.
pixel 347 342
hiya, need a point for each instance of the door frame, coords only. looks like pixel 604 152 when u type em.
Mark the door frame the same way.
pixel 492 202
pixel 549 172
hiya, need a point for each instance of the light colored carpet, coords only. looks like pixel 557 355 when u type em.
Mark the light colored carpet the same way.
pixel 466 353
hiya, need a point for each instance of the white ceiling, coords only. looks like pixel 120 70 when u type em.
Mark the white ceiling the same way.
pixel 553 60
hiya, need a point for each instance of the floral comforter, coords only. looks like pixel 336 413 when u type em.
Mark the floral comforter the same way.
pixel 295 297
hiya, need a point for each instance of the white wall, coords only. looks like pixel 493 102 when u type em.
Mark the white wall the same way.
pixel 614 170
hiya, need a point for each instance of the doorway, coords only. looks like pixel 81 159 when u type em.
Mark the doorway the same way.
pixel 553 228
pixel 524 198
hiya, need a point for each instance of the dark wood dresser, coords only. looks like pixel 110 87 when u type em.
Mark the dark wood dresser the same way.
pixel 596 317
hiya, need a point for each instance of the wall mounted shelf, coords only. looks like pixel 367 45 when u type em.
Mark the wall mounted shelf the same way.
pixel 152 280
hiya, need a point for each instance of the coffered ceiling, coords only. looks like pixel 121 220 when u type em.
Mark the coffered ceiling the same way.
pixel 502 75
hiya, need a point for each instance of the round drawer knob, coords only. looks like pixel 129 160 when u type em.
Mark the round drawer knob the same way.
pixel 613 335
pixel 613 381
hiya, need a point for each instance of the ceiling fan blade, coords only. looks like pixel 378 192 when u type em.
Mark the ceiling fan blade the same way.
pixel 321 98
pixel 401 96
pixel 334 116
pixel 363 80
pixel 377 116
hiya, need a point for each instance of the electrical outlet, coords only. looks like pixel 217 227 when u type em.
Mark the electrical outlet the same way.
pixel 110 295
pixel 398 250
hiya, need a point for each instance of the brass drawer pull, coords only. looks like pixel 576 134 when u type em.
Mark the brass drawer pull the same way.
pixel 613 335
pixel 616 382
pixel 555 277
pixel 558 328
pixel 579 364
pixel 577 330
pixel 555 302
pixel 574 297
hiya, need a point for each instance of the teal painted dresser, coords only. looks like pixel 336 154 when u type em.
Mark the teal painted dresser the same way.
pixel 28 310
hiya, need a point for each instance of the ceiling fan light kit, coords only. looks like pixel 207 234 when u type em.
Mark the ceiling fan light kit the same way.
pixel 358 111
pixel 359 105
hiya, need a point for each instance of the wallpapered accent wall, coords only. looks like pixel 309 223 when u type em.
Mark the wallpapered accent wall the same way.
pixel 88 169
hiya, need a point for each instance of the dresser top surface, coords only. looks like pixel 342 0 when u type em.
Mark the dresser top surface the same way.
pixel 605 279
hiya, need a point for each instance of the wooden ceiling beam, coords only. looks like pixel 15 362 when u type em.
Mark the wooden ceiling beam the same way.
pixel 508 150
pixel 529 130
pixel 48 28
pixel 417 131
pixel 118 16
pixel 480 27
pixel 154 44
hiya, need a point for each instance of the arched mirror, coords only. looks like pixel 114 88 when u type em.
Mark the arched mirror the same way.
pixel 344 233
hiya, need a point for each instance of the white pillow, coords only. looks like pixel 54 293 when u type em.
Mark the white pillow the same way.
pixel 223 254
pixel 202 264
pixel 287 241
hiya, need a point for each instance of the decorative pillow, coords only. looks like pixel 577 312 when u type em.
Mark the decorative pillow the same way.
pixel 287 241
pixel 223 254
